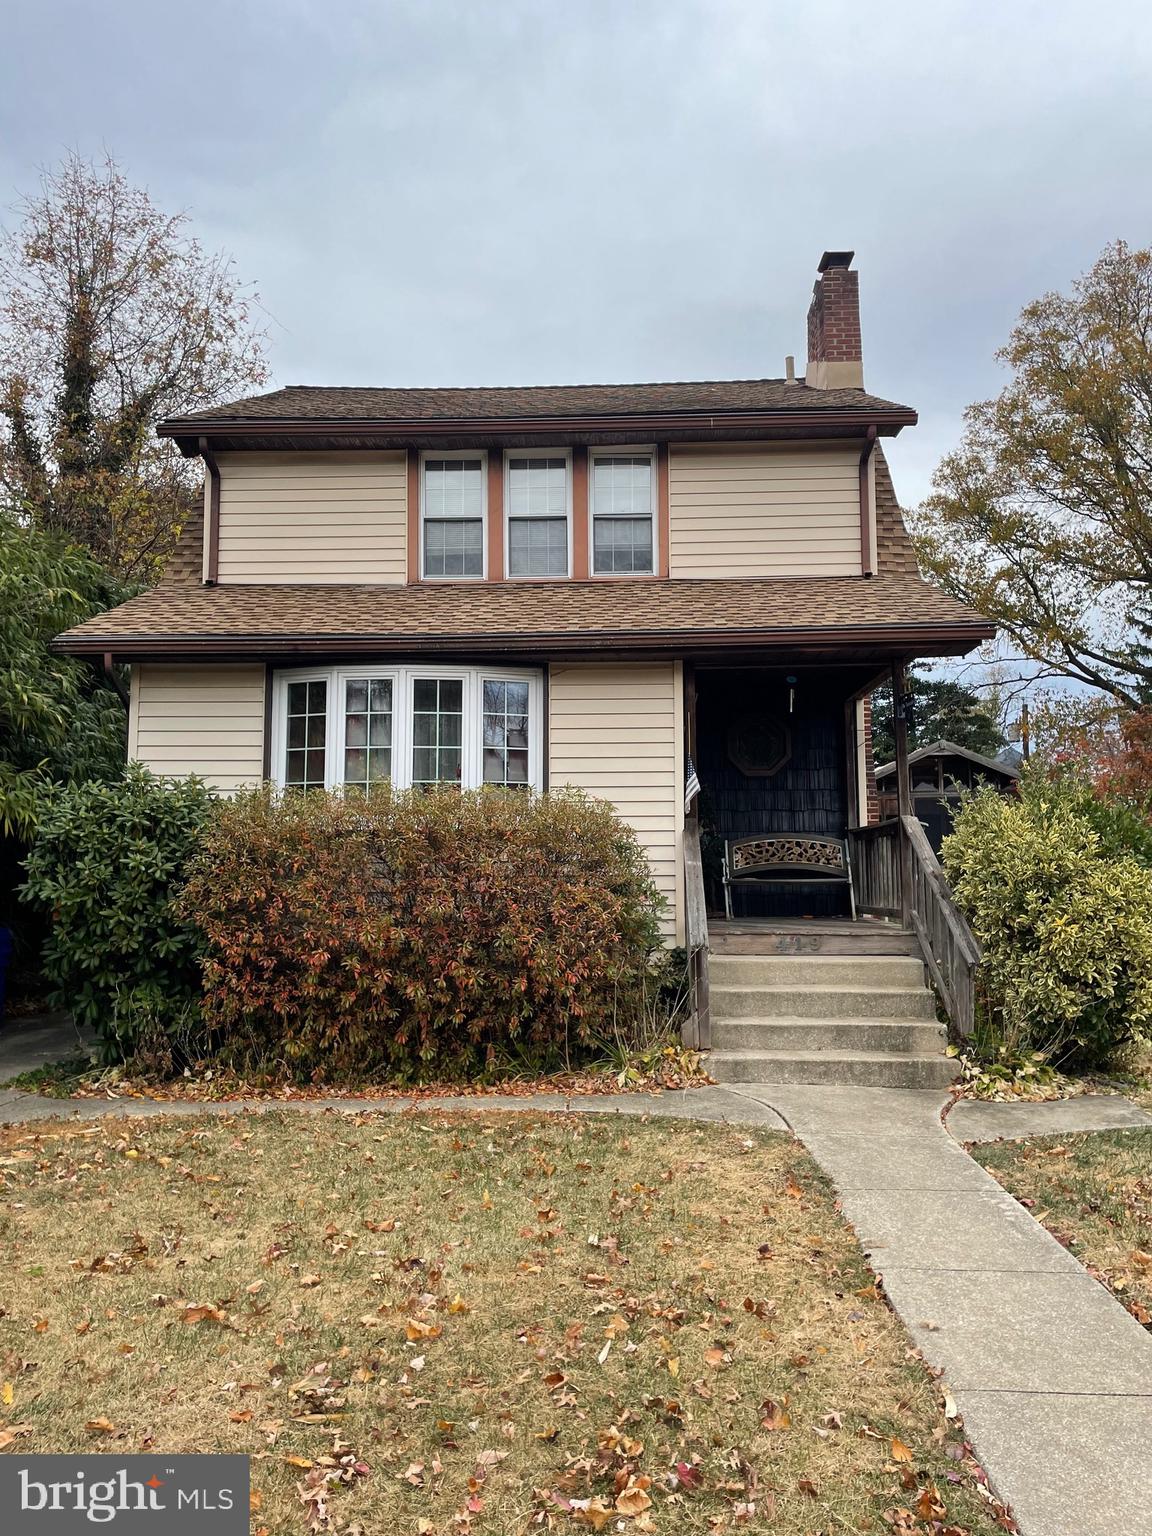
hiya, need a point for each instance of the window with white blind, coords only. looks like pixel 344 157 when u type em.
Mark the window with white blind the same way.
pixel 622 506
pixel 354 727
pixel 538 514
pixel 453 507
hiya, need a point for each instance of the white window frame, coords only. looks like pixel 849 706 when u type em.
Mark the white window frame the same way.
pixel 402 678
pixel 633 451
pixel 457 453
pixel 536 453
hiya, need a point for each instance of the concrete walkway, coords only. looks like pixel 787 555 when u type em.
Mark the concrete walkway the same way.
pixel 1052 1376
pixel 37 1041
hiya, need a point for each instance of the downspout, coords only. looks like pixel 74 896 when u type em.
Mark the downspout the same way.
pixel 212 563
pixel 113 681
pixel 867 550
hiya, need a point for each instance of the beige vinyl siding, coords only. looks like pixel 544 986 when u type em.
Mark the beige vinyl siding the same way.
pixel 757 511
pixel 313 517
pixel 617 732
pixel 199 719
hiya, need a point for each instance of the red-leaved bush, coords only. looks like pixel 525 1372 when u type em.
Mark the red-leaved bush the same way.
pixel 410 933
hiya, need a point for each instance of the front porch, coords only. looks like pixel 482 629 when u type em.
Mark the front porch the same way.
pixel 846 979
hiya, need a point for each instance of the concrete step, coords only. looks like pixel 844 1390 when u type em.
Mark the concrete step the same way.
pixel 839 1002
pixel 873 1069
pixel 888 1036
pixel 816 970
pixel 849 939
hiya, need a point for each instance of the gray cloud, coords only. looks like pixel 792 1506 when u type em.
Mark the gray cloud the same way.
pixel 441 192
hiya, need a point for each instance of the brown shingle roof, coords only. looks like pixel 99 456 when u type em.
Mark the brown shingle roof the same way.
pixel 522 616
pixel 308 402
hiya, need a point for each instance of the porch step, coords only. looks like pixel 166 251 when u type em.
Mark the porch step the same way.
pixel 808 1035
pixel 811 939
pixel 820 1001
pixel 832 1003
pixel 861 1069
pixel 816 970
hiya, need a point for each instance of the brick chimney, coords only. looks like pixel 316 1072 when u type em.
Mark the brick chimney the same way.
pixel 835 360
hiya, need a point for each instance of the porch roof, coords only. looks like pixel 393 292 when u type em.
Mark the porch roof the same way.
pixel 885 614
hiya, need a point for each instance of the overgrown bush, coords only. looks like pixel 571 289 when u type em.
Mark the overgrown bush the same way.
pixel 1064 914
pixel 418 933
pixel 105 864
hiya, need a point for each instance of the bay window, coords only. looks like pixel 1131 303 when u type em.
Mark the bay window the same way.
pixel 622 496
pixel 453 507
pixel 353 727
pixel 538 500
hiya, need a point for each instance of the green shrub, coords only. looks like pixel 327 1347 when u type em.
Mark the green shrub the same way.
pixel 105 863
pixel 1064 914
pixel 418 933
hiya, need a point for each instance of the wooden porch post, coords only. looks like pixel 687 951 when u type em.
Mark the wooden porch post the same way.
pixel 903 790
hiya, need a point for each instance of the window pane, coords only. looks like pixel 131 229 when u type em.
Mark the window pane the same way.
pixel 454 487
pixel 307 734
pixel 437 730
pixel 453 548
pixel 621 544
pixel 538 487
pixel 367 719
pixel 622 484
pixel 538 546
pixel 505 730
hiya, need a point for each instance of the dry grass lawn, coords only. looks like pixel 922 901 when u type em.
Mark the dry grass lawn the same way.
pixel 1093 1192
pixel 475 1323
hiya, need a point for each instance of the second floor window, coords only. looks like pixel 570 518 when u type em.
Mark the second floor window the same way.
pixel 538 515
pixel 453 521
pixel 622 499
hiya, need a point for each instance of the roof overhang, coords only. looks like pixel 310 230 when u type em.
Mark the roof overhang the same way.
pixel 862 642
pixel 225 434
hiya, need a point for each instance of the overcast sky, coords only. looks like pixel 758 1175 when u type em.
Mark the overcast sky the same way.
pixel 555 191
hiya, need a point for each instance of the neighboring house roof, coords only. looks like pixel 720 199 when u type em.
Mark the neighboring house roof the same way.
pixel 679 614
pixel 952 749
pixel 318 403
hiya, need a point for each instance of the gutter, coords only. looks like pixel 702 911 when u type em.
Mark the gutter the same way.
pixel 113 681
pixel 867 518
pixel 212 531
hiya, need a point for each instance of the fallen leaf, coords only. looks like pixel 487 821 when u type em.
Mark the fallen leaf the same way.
pixel 100 1427
pixel 900 1451
pixel 632 1501
pixel 774 1416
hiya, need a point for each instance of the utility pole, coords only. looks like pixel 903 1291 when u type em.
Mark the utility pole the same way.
pixel 1025 731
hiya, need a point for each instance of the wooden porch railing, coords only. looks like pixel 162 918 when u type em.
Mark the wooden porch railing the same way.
pixel 875 855
pixel 896 874
pixel 697 1029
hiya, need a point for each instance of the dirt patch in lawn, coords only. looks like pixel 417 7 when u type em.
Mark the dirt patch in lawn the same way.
pixel 471 1323
pixel 1094 1193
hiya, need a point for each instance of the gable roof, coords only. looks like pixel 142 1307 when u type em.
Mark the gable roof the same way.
pixel 952 749
pixel 509 403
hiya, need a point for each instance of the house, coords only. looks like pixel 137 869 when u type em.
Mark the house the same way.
pixel 586 585
pixel 940 773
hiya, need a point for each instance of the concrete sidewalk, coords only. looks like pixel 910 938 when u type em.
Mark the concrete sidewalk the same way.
pixel 1052 1375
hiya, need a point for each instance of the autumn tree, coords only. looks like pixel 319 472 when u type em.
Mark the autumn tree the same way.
pixel 1042 518
pixel 111 315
